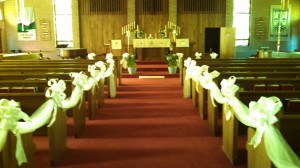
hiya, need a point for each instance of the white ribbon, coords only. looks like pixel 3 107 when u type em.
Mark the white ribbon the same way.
pixel 92 81
pixel 207 82
pixel 229 89
pixel 91 56
pixel 79 81
pixel 102 67
pixel 263 113
pixel 198 55
pixel 10 114
pixel 213 55
pixel 56 92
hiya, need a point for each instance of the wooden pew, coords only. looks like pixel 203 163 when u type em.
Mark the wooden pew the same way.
pixel 246 84
pixel 78 114
pixel 250 62
pixel 63 76
pixel 57 133
pixel 54 66
pixel 230 128
pixel 65 63
pixel 257 157
pixel 8 157
pixel 245 80
pixel 263 72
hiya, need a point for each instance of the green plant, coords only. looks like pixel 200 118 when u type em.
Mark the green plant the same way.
pixel 172 59
pixel 128 60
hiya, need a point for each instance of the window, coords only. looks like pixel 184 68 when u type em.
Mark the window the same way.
pixel 241 21
pixel 63 22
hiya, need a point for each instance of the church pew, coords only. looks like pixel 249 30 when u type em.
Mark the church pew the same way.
pixel 65 63
pixel 78 114
pixel 213 113
pixel 57 133
pixel 257 157
pixel 55 66
pixel 249 62
pixel 231 127
pixel 246 80
pixel 63 76
pixel 7 156
pixel 246 84
pixel 250 72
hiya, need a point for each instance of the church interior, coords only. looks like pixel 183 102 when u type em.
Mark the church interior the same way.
pixel 149 83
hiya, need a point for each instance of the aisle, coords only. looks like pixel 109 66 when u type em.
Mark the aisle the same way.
pixel 148 125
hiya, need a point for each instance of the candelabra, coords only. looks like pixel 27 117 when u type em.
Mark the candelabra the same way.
pixel 175 29
pixel 127 29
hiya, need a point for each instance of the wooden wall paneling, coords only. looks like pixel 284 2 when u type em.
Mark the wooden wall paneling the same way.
pixel 193 28
pixel 101 22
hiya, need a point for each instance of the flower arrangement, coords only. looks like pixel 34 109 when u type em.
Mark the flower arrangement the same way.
pixel 162 33
pixel 139 34
pixel 128 60
pixel 172 59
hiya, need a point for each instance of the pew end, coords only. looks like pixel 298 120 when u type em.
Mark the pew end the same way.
pixel 8 157
pixel 257 157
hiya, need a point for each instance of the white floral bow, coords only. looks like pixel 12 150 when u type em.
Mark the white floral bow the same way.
pixel 229 89
pixel 56 92
pixel 263 112
pixel 10 114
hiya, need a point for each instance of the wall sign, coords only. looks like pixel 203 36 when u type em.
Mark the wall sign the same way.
pixel 44 27
pixel 282 18
pixel 26 25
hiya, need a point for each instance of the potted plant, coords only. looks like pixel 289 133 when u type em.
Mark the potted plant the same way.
pixel 172 61
pixel 128 62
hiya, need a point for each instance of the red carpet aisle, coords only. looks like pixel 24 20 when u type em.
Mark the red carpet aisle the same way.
pixel 149 125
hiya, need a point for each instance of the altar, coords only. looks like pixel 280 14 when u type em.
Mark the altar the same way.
pixel 151 49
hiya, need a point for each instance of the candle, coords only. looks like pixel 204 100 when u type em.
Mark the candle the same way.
pixel 165 28
pixel 137 27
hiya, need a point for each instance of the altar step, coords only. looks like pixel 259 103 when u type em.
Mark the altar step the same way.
pixel 150 69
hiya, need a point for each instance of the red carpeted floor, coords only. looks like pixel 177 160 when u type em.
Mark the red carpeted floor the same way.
pixel 148 125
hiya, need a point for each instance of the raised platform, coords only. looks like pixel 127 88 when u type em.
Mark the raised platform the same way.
pixel 152 69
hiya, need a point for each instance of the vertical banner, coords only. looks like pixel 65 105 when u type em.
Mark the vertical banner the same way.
pixel 282 18
pixel 26 24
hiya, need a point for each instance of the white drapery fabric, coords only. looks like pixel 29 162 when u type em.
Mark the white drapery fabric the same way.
pixel 10 112
pixel 259 115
